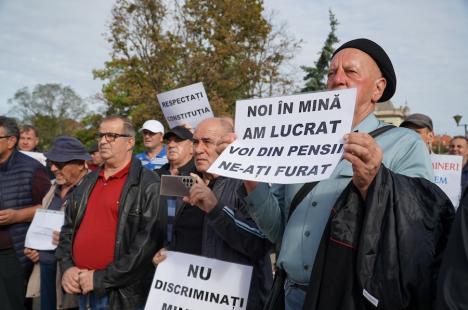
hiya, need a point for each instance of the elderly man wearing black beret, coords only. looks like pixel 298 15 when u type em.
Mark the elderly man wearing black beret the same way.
pixel 371 235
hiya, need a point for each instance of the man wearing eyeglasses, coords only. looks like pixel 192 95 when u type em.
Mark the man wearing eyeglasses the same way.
pixel 23 184
pixel 113 225
pixel 155 156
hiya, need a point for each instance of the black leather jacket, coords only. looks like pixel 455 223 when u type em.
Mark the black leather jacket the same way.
pixel 140 234
pixel 385 252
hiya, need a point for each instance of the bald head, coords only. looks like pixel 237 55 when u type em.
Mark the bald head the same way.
pixel 205 139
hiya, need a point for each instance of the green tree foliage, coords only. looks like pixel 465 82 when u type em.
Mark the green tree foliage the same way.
pixel 226 44
pixel 52 108
pixel 315 76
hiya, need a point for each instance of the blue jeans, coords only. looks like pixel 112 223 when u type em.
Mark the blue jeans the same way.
pixel 48 292
pixel 293 296
pixel 91 301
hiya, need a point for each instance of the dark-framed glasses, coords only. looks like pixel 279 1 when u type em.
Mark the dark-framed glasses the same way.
pixel 110 136
pixel 4 137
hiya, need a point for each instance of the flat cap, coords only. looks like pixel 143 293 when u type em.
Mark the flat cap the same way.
pixel 418 120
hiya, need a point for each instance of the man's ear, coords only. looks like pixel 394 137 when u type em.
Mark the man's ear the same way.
pixel 131 143
pixel 379 88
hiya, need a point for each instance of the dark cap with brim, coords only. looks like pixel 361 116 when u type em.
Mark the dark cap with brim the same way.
pixel 66 149
pixel 382 60
pixel 417 120
pixel 179 131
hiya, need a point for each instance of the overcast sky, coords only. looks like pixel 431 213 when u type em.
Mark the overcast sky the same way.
pixel 56 41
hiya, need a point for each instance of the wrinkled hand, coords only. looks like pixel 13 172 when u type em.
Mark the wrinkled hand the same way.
pixel 201 195
pixel 55 237
pixel 86 281
pixel 160 256
pixel 365 156
pixel 71 280
pixel 33 255
pixel 8 216
pixel 225 140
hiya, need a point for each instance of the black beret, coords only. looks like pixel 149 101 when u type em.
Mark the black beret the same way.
pixel 382 60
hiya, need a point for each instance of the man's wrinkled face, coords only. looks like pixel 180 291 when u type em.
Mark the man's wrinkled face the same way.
pixel 458 146
pixel 152 140
pixel 179 151
pixel 205 139
pixel 67 173
pixel 352 68
pixel 28 141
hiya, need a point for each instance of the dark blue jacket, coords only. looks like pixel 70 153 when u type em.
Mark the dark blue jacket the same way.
pixel 16 178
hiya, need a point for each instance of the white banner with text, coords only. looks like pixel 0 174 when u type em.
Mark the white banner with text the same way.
pixel 289 139
pixel 185 281
pixel 447 175
pixel 185 105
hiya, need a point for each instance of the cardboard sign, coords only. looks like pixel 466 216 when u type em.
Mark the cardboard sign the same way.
pixel 184 281
pixel 39 235
pixel 185 105
pixel 447 175
pixel 290 139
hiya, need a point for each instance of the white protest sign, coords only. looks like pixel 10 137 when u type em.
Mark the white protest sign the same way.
pixel 37 156
pixel 39 235
pixel 187 105
pixel 290 139
pixel 447 175
pixel 184 281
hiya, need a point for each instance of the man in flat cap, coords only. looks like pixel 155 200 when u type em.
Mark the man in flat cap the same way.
pixel 371 234
pixel 422 124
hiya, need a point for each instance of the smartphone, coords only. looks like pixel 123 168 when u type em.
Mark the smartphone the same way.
pixel 176 185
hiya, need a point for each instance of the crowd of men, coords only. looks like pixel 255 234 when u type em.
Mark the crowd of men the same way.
pixel 373 235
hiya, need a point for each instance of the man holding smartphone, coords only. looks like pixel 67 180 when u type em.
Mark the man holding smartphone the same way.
pixel 180 156
pixel 214 223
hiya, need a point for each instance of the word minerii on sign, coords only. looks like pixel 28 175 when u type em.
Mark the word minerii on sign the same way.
pixel 185 105
pixel 285 140
pixel 447 175
pixel 184 281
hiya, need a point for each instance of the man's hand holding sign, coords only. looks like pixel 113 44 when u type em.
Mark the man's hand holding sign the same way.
pixel 365 156
pixel 286 140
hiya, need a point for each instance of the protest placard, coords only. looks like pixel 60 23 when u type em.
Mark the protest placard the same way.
pixel 185 105
pixel 185 281
pixel 447 175
pixel 290 139
pixel 39 235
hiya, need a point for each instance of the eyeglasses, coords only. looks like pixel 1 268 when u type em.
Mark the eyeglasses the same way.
pixel 59 165
pixel 5 137
pixel 110 136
